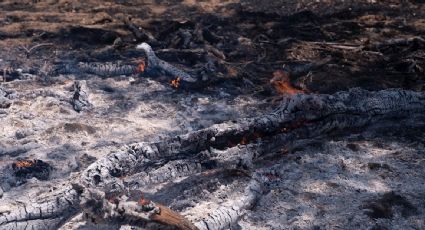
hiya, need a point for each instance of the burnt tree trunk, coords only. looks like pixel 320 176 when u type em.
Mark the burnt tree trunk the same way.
pixel 232 145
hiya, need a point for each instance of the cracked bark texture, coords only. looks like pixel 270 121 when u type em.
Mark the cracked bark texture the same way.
pixel 235 144
pixel 103 69
pixel 47 211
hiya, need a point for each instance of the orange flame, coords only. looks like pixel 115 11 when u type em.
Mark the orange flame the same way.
pixel 175 83
pixel 282 84
pixel 141 67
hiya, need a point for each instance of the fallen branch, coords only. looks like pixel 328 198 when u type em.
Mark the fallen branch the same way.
pixel 103 69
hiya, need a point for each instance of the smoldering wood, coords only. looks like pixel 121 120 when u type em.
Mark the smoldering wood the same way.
pixel 156 65
pixel 100 209
pixel 150 65
pixel 236 144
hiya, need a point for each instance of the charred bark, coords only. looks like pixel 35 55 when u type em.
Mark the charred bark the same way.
pixel 80 99
pixel 236 145
pixel 6 97
pixel 103 69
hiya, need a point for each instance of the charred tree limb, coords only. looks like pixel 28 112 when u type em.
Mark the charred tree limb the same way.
pixel 150 65
pixel 155 64
pixel 234 144
pixel 103 69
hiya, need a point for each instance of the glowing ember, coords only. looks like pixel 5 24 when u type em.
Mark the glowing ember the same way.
pixel 23 164
pixel 250 137
pixel 244 141
pixel 175 83
pixel 282 84
pixel 141 67
pixel 144 201
pixel 232 72
pixel 25 169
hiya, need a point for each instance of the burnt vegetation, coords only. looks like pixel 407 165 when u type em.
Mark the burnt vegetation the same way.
pixel 212 114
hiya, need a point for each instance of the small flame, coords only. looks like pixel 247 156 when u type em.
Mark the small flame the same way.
pixel 141 67
pixel 282 84
pixel 24 163
pixel 175 83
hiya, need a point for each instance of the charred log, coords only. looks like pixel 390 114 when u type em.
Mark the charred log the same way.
pixel 103 69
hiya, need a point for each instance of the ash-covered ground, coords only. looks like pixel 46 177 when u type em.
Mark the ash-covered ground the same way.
pixel 364 179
